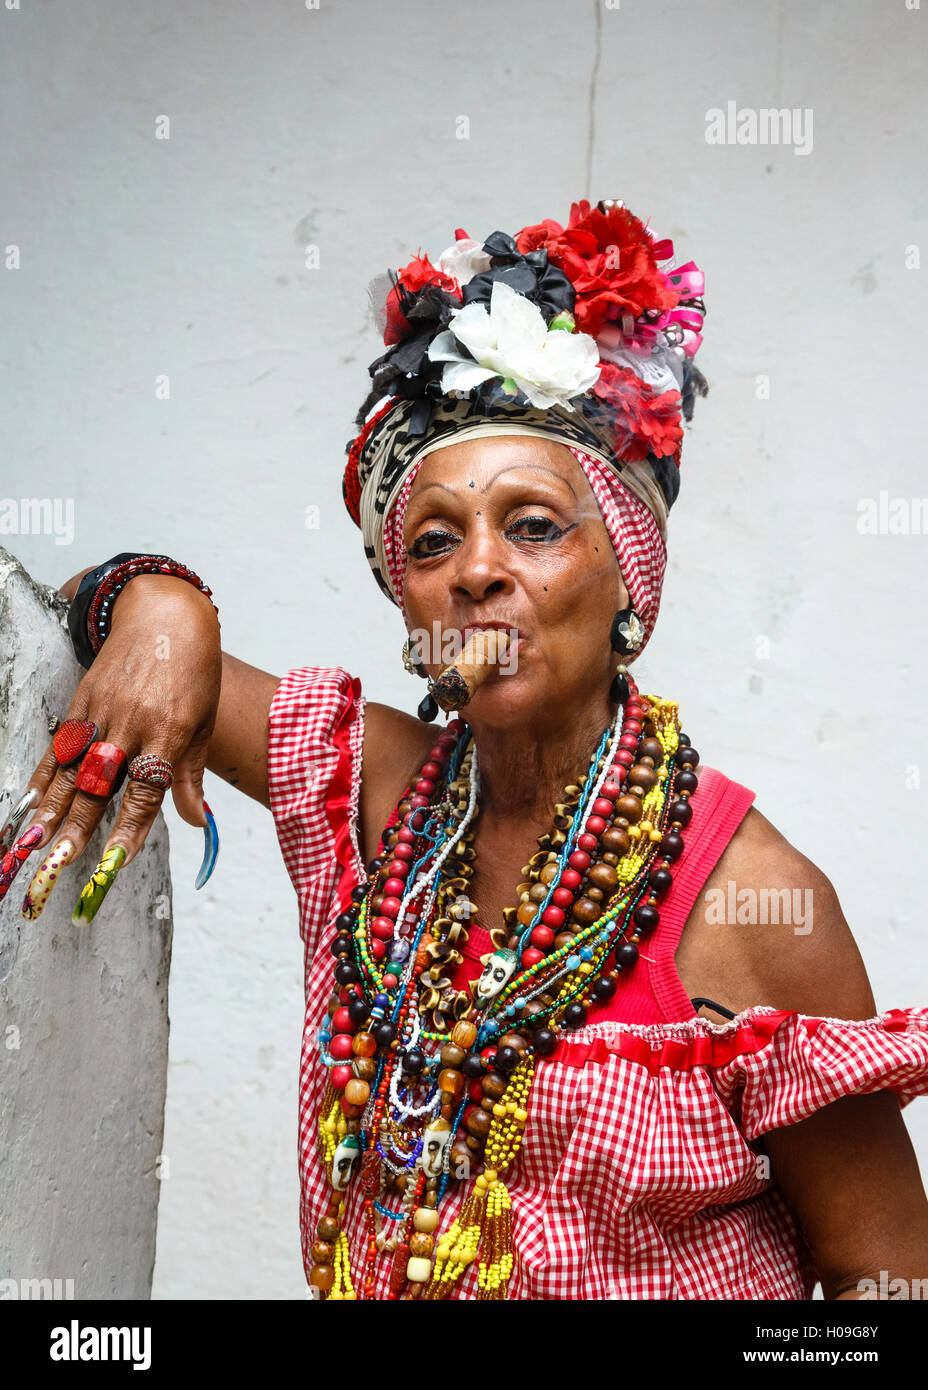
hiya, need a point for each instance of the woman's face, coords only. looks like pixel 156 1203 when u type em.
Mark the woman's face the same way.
pixel 506 528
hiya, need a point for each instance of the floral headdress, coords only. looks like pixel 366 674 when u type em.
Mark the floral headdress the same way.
pixel 584 332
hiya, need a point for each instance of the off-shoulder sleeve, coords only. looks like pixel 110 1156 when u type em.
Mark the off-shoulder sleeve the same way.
pixel 806 1063
pixel 315 737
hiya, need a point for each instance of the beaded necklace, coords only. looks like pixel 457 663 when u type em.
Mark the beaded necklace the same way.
pixel 429 1085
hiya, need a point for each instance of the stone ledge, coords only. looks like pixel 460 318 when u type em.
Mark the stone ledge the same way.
pixel 83 1011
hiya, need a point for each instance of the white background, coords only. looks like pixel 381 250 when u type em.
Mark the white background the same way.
pixel 338 127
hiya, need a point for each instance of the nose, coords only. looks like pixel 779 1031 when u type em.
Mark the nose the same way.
pixel 480 564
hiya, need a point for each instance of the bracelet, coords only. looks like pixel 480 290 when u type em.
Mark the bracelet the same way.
pixel 90 612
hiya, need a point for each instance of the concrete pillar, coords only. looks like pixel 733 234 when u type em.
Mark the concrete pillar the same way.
pixel 83 1015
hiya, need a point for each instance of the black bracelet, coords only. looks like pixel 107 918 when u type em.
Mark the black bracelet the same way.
pixel 92 609
pixel 80 605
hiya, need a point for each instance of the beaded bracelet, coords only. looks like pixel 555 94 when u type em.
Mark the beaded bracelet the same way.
pixel 91 610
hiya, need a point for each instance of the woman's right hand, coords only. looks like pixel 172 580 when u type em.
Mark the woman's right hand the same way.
pixel 153 688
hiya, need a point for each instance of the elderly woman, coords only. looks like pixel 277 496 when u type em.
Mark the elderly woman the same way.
pixel 535 1065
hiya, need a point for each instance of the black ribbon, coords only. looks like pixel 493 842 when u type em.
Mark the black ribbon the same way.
pixel 530 275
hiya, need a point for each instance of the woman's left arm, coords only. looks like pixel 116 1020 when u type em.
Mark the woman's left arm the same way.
pixel 850 1176
pixel 848 1172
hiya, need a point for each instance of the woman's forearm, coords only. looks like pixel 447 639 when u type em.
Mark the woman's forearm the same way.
pixel 70 586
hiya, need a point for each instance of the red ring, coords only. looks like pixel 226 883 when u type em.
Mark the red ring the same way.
pixel 102 769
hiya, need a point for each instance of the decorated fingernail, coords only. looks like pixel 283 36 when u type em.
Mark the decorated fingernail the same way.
pixel 101 881
pixel 17 816
pixel 210 848
pixel 15 858
pixel 46 875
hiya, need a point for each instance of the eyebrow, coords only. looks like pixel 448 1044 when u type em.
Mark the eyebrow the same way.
pixel 523 467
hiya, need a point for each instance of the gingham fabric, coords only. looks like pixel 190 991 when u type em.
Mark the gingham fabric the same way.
pixel 640 1173
pixel 633 531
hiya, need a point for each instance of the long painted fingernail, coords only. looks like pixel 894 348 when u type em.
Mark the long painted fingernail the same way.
pixel 15 858
pixel 39 890
pixel 101 881
pixel 17 816
pixel 210 848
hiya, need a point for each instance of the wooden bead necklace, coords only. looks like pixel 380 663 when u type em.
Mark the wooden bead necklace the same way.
pixel 428 1083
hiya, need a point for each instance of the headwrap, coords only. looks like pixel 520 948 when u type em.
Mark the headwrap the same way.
pixel 573 334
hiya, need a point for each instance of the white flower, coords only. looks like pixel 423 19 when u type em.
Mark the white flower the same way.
pixel 465 259
pixel 512 340
pixel 632 631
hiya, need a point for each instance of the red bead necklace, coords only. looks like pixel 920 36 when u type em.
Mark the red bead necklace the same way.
pixel 589 899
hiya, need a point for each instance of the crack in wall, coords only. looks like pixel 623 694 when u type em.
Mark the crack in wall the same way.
pixel 591 117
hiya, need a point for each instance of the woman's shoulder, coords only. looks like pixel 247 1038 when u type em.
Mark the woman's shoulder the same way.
pixel 396 745
pixel 769 926
pixel 331 753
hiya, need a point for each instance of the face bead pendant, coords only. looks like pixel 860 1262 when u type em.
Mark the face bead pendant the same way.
pixel 345 1161
pixel 497 971
pixel 436 1141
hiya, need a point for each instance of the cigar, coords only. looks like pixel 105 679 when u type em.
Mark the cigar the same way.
pixel 459 682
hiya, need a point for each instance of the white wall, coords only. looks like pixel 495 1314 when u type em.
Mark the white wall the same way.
pixel 337 127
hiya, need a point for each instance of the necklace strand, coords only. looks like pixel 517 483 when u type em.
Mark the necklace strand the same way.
pixel 429 1084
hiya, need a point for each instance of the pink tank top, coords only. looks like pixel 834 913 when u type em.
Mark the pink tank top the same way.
pixel 653 992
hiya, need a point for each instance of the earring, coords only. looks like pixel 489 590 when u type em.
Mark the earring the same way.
pixel 428 706
pixel 411 666
pixel 627 632
pixel 427 709
pixel 626 637
pixel 618 690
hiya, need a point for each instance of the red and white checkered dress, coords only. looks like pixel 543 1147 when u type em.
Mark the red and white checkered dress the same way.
pixel 639 1175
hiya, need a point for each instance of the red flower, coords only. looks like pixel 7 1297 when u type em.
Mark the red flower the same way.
pixel 413 277
pixel 610 260
pixel 651 421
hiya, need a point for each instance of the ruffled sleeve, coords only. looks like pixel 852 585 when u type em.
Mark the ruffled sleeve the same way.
pixel 806 1063
pixel 315 738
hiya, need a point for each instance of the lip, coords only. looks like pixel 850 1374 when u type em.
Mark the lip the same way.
pixel 513 649
pixel 498 627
